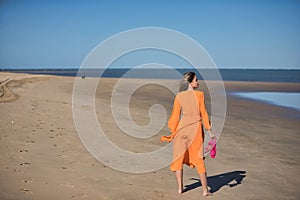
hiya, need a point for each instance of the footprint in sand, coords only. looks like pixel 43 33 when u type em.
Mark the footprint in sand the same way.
pixel 69 185
pixel 80 196
pixel 18 171
pixel 86 107
pixel 159 194
pixel 27 181
pixel 25 163
pixel 26 191
pixel 23 150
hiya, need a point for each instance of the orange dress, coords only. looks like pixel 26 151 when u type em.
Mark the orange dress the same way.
pixel 185 124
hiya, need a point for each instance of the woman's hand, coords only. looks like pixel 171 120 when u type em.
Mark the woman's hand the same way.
pixel 212 136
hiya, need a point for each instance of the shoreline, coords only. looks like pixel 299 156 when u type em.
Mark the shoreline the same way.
pixel 244 75
pixel 232 86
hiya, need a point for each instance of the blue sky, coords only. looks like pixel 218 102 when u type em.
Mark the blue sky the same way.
pixel 236 34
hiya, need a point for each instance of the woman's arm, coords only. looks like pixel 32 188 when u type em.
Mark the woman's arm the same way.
pixel 174 118
pixel 173 122
pixel 204 115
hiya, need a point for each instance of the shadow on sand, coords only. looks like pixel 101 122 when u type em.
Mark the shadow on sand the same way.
pixel 218 181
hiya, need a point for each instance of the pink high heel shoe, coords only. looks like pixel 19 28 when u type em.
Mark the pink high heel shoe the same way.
pixel 212 147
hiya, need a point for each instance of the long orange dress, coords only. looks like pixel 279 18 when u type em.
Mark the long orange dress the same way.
pixel 185 124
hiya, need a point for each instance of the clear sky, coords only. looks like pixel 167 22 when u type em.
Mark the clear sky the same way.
pixel 236 33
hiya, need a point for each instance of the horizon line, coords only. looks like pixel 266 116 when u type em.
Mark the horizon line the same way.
pixel 125 67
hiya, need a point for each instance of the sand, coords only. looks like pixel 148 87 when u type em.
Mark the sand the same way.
pixel 42 156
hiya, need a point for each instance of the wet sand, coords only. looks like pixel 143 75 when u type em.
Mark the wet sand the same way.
pixel 42 156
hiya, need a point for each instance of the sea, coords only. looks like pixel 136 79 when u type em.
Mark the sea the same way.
pixel 285 99
pixel 253 75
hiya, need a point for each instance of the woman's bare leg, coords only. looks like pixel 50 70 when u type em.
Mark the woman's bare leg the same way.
pixel 203 180
pixel 179 176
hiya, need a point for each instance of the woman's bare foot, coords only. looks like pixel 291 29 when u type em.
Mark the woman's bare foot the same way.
pixel 206 194
pixel 180 191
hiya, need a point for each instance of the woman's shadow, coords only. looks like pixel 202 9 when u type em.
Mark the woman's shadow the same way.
pixel 218 181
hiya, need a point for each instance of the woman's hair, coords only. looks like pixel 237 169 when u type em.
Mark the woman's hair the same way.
pixel 187 78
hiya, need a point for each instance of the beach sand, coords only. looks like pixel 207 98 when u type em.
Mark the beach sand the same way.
pixel 42 157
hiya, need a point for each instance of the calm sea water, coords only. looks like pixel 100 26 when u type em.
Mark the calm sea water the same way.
pixel 285 99
pixel 264 75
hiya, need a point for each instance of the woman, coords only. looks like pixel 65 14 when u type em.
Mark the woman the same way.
pixel 185 124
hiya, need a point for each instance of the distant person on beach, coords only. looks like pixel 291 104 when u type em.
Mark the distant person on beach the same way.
pixel 185 123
